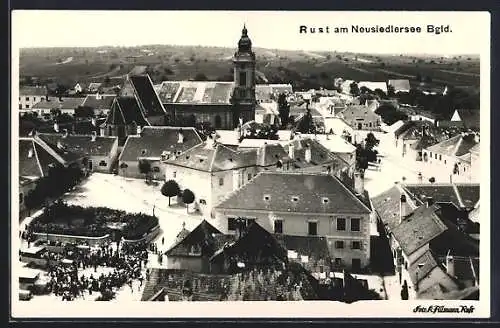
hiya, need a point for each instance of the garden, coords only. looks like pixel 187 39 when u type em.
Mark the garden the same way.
pixel 63 219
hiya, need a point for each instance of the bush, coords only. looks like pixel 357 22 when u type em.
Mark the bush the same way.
pixel 60 218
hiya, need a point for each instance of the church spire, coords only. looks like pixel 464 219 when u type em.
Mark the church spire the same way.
pixel 245 44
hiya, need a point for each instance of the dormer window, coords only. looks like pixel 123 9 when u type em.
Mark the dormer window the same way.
pixel 325 200
pixel 267 198
pixel 144 152
pixel 295 199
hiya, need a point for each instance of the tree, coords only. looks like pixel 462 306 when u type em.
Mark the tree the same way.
pixel 187 198
pixel 284 109
pixel 170 189
pixel 55 112
pixel 432 180
pixel 371 141
pixel 354 89
pixel 145 168
pixel 84 111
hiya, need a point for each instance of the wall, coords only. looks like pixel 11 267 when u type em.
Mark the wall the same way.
pixel 132 170
pixel 92 241
pixel 445 164
pixel 109 159
pixel 23 191
pixel 297 224
pixel 202 113
pixel 30 101
pixel 194 264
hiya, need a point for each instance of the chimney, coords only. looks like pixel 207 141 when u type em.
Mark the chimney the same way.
pixel 65 135
pixel 30 153
pixel 450 265
pixel 476 137
pixel 94 136
pixel 308 153
pixel 180 136
pixel 359 183
pixel 291 151
pixel 236 179
pixel 56 127
pixel 402 208
pixel 46 97
pixel 429 201
pixel 98 96
pixel 60 99
pixel 139 130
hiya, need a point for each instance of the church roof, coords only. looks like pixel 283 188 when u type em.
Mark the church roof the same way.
pixel 196 92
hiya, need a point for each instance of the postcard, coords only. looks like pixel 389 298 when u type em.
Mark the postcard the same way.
pixel 270 164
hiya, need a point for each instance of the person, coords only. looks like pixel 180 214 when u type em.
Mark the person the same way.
pixel 404 291
pixel 163 240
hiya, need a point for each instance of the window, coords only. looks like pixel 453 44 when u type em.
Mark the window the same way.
pixel 144 152
pixel 27 98
pixel 231 224
pixel 249 176
pixel 21 198
pixel 295 199
pixel 203 202
pixel 325 200
pixel 338 261
pixel 356 245
pixel 439 157
pixel 435 156
pixel 221 181
pixel 243 78
pixel 312 228
pixel 355 224
pixel 102 163
pixel 156 169
pixel 267 198
pixel 339 244
pixel 445 161
pixel 278 226
pixel 27 106
pixel 341 224
pixel 174 174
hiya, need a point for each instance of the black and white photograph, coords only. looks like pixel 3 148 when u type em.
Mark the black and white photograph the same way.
pixel 256 163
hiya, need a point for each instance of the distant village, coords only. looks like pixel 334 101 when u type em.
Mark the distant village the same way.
pixel 237 191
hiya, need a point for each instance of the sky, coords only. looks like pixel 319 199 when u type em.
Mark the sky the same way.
pixel 271 29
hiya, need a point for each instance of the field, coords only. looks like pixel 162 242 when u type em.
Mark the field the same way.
pixel 301 68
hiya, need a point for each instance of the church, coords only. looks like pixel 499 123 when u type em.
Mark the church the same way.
pixel 224 105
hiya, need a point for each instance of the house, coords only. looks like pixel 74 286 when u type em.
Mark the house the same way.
pixel 400 85
pixel 125 118
pixel 467 118
pixel 475 163
pixel 29 96
pixel 270 92
pixel 94 87
pixel 35 159
pixel 304 204
pixel 65 105
pixel 372 86
pixel 360 117
pixel 338 126
pixel 346 86
pixel 101 152
pixel 453 155
pixel 192 250
pixel 223 104
pixel 79 87
pixel 422 116
pixel 426 240
pixel 211 170
pixel 153 144
pixel 100 104
pixel 267 113
pixel 419 134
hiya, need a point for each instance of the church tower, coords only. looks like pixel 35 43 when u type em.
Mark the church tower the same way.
pixel 244 79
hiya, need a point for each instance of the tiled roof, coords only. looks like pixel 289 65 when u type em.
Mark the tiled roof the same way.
pixel 400 85
pixel 436 293
pixel 476 149
pixel 104 102
pixel 197 92
pixel 81 144
pixel 53 102
pixel 422 267
pixel 418 229
pixel 440 193
pixel 387 206
pixel 455 146
pixel 319 154
pixel 469 194
pixel 470 117
pixel 126 110
pixel 32 91
pixel 147 95
pixel 357 110
pixel 201 236
pixel 334 143
pixel 155 140
pixel 34 159
pixel 424 142
pixel 295 192
pixel 373 85
pixel 269 154
pixel 62 150
pixel 94 86
pixel 210 157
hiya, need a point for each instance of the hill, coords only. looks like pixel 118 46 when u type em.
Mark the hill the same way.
pixel 304 69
